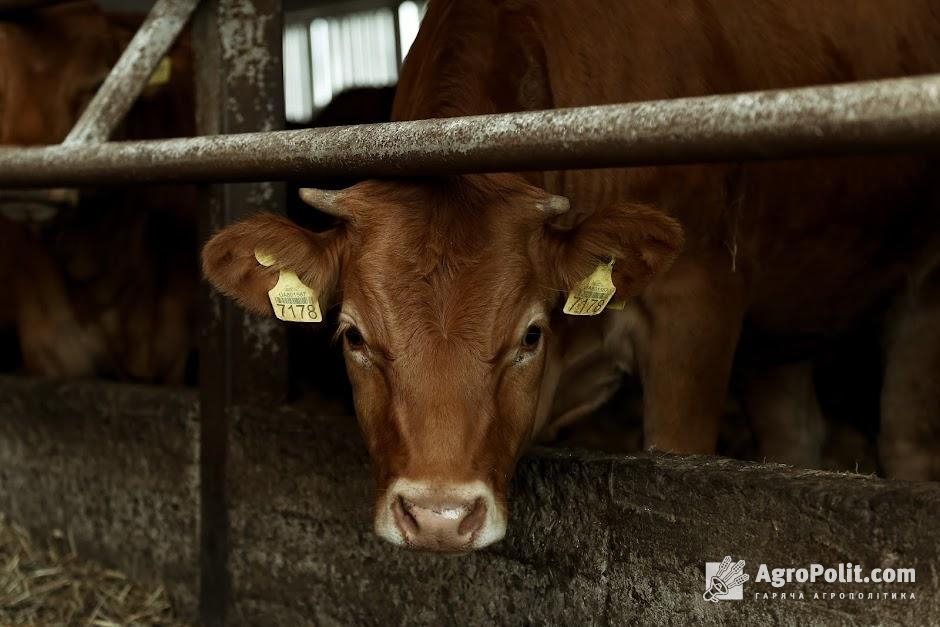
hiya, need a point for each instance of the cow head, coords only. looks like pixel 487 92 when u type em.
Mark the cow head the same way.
pixel 52 61
pixel 449 293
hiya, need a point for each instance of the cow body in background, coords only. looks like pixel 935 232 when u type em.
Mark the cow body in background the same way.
pixel 52 61
pixel 107 286
pixel 452 287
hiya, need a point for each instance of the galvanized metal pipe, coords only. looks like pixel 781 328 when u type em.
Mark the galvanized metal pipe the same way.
pixel 890 115
pixel 132 72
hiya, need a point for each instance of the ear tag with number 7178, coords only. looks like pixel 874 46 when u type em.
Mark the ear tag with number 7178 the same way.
pixel 291 300
pixel 591 295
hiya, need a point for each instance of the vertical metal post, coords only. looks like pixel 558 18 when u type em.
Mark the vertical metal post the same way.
pixel 397 24
pixel 243 358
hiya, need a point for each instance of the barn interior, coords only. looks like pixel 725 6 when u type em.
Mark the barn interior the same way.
pixel 262 515
pixel 340 67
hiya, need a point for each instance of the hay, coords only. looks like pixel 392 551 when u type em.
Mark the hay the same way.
pixel 46 583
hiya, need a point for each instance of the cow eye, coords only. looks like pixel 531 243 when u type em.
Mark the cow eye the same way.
pixel 532 337
pixel 354 338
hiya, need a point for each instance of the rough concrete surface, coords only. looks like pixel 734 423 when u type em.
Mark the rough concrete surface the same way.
pixel 114 464
pixel 593 539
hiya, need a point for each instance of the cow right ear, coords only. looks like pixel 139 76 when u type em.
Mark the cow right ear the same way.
pixel 229 262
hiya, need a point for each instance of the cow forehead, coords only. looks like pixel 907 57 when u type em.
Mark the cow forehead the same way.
pixel 470 296
pixel 451 258
pixel 469 306
pixel 451 225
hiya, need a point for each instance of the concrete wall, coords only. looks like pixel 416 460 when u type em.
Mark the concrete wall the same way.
pixel 594 539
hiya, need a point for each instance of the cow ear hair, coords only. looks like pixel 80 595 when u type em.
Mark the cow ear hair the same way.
pixel 642 241
pixel 230 263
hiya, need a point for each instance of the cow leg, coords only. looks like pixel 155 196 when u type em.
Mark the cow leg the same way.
pixel 785 415
pixel 685 361
pixel 909 442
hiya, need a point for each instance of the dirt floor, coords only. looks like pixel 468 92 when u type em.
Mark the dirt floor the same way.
pixel 43 581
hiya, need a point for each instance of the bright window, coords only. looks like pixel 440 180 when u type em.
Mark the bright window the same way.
pixel 328 52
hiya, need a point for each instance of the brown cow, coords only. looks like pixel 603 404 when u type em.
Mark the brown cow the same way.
pixel 52 60
pixel 451 287
pixel 106 288
pixel 44 86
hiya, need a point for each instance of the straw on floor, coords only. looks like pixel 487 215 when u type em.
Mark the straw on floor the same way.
pixel 43 581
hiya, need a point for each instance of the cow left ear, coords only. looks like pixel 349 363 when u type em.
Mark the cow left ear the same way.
pixel 230 261
pixel 642 241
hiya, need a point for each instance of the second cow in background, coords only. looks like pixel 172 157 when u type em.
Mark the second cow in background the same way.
pixel 104 284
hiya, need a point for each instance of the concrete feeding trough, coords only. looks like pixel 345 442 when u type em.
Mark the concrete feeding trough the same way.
pixel 592 537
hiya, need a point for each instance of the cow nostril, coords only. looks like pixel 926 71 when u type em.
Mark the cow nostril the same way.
pixel 451 517
pixel 407 522
pixel 474 519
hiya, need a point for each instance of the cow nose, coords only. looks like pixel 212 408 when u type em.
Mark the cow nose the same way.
pixel 442 525
pixel 439 519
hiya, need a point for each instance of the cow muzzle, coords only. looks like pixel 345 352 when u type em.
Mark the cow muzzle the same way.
pixel 440 517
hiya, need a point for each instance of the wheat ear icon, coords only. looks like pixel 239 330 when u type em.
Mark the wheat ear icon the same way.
pixel 725 579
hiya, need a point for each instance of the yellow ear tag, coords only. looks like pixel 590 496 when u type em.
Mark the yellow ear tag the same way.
pixel 591 295
pixel 291 300
pixel 161 75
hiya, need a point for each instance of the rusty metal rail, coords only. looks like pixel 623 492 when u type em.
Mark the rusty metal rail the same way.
pixel 877 116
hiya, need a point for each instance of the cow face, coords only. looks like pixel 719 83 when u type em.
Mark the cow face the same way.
pixel 449 295
pixel 52 61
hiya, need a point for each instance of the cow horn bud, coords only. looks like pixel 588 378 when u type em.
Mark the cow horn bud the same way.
pixel 552 206
pixel 325 200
